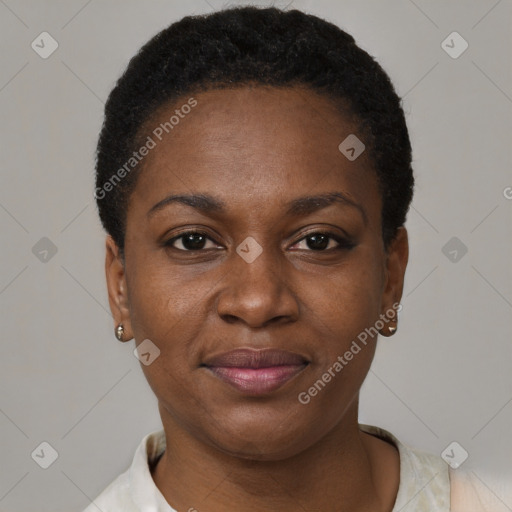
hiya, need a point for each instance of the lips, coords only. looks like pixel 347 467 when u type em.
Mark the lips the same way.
pixel 256 372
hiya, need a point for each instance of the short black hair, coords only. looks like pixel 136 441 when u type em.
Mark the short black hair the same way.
pixel 251 45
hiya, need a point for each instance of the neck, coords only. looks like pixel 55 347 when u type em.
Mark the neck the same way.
pixel 343 471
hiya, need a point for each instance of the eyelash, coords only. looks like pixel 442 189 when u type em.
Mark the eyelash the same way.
pixel 344 244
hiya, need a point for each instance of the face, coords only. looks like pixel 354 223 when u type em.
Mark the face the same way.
pixel 254 290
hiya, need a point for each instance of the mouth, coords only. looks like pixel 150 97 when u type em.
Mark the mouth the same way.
pixel 256 372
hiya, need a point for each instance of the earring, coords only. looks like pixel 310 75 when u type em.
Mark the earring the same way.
pixel 119 332
pixel 392 329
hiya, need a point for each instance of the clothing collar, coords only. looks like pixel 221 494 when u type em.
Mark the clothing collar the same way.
pixel 424 478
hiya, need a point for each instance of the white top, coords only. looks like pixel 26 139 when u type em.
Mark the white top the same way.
pixel 424 481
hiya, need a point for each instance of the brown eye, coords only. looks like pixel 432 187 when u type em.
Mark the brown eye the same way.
pixel 322 241
pixel 190 241
pixel 318 241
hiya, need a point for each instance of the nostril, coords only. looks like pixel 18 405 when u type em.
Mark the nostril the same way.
pixel 230 319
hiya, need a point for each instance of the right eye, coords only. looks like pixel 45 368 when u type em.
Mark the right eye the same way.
pixel 190 241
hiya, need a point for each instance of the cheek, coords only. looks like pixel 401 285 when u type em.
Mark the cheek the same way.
pixel 169 307
pixel 348 299
pixel 343 318
pixel 164 301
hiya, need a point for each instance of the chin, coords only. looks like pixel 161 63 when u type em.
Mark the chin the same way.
pixel 260 438
pixel 261 450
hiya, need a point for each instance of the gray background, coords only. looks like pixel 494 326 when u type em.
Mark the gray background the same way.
pixel 445 376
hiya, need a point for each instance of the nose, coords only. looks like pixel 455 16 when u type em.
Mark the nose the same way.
pixel 258 293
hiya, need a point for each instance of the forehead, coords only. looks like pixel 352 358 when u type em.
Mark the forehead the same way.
pixel 253 146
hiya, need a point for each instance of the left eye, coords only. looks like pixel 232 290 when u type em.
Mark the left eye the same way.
pixel 324 241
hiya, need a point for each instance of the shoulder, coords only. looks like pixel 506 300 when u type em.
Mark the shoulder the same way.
pixel 427 483
pixel 424 478
pixel 135 486
pixel 472 492
pixel 115 497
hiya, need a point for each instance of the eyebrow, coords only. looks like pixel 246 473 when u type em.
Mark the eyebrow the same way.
pixel 305 205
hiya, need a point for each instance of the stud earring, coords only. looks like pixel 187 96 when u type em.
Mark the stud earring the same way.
pixel 119 332
pixel 389 330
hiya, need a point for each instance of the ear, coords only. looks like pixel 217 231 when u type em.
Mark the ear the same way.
pixel 396 263
pixel 117 288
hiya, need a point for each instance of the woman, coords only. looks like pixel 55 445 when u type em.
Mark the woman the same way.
pixel 254 176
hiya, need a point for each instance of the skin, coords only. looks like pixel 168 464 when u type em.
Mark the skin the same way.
pixel 256 149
